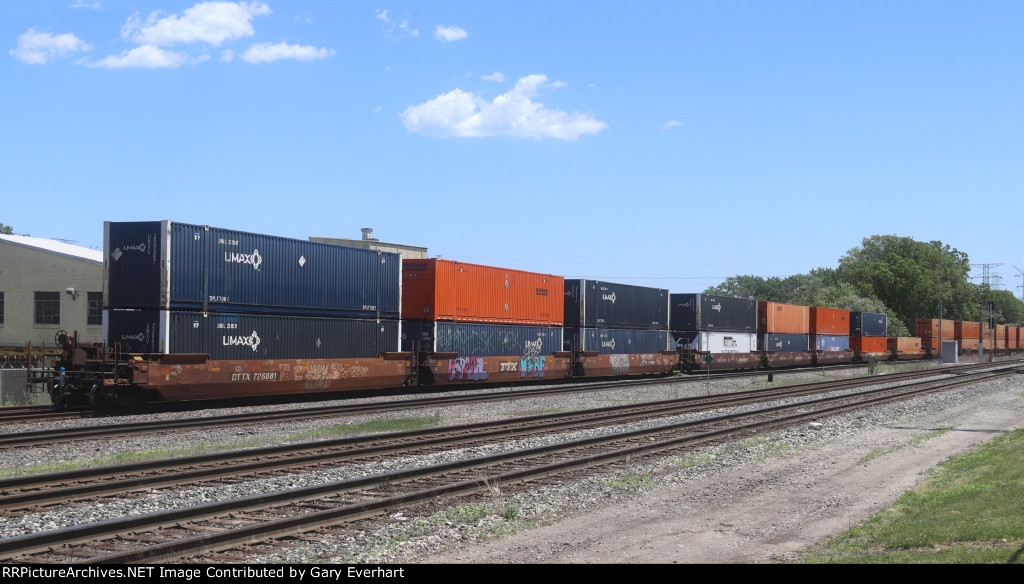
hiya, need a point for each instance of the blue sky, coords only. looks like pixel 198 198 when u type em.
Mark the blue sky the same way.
pixel 669 144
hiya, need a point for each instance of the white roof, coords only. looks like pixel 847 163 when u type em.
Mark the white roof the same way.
pixel 57 247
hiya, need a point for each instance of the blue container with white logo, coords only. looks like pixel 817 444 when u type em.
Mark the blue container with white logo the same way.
pixel 711 312
pixel 162 265
pixel 248 336
pixel 596 304
pixel 609 341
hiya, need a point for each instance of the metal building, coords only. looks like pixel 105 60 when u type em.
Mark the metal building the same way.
pixel 47 286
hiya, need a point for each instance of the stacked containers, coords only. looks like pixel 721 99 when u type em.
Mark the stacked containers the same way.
pixel 783 328
pixel 714 324
pixel 174 287
pixel 1001 336
pixel 928 330
pixel 967 334
pixel 868 333
pixel 613 318
pixel 830 329
pixel 477 310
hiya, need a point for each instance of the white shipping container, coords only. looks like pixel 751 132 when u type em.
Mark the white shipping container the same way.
pixel 718 342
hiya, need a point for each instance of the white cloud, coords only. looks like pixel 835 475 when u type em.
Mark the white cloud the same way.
pixel 146 56
pixel 447 34
pixel 267 53
pixel 496 76
pixel 394 31
pixel 209 22
pixel 84 4
pixel 39 48
pixel 462 114
pixel 671 124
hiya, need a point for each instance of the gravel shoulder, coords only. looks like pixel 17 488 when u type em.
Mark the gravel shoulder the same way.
pixel 770 509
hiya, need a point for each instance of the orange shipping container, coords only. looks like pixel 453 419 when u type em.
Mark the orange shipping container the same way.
pixel 905 344
pixel 773 317
pixel 870 345
pixel 928 328
pixel 829 321
pixel 1000 334
pixel 969 344
pixel 966 330
pixel 436 289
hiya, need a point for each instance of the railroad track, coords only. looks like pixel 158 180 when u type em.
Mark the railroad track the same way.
pixel 49 437
pixel 263 516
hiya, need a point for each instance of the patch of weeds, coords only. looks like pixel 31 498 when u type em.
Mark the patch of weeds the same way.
pixel 879 452
pixel 370 427
pixel 692 460
pixel 510 512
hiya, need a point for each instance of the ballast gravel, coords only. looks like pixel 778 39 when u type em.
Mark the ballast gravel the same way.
pixel 545 523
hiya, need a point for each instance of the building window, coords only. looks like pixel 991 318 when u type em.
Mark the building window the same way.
pixel 95 308
pixel 47 308
pixel 1 307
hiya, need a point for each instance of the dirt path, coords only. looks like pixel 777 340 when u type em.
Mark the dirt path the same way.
pixel 769 510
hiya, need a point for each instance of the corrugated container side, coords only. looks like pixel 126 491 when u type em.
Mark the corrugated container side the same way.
pixel 966 330
pixel 868 324
pixel 968 344
pixel 905 344
pixel 470 339
pixel 871 345
pixel 774 317
pixel 251 336
pixel 783 342
pixel 717 341
pixel 707 312
pixel 830 321
pixel 830 342
pixel 209 268
pixel 134 264
pixel 610 341
pixel 1000 332
pixel 597 304
pixel 929 328
pixel 437 289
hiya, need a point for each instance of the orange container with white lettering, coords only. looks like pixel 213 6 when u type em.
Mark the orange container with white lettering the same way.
pixel 437 289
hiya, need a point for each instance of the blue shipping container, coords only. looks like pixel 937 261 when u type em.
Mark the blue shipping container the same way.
pixel 609 341
pixel 592 303
pixel 783 343
pixel 868 324
pixel 472 339
pixel 831 343
pixel 249 336
pixel 162 265
pixel 708 312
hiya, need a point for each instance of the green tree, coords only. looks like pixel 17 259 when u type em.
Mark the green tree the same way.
pixel 907 276
pixel 6 229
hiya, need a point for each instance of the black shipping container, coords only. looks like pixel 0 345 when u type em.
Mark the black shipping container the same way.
pixel 249 336
pixel 783 343
pixel 705 312
pixel 162 265
pixel 608 341
pixel 592 303
pixel 868 324
pixel 472 339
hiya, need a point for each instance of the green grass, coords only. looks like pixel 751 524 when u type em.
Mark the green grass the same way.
pixel 970 511
pixel 371 427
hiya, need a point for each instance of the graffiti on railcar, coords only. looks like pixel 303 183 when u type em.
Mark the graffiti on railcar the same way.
pixel 466 368
pixel 619 363
pixel 536 366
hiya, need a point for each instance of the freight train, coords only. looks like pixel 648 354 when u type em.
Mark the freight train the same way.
pixel 196 313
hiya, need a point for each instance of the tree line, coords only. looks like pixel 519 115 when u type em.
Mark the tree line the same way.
pixel 897 276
